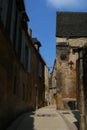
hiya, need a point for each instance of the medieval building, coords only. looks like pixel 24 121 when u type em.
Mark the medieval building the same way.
pixel 71 35
pixel 22 86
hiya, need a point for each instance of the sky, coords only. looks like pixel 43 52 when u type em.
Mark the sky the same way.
pixel 42 15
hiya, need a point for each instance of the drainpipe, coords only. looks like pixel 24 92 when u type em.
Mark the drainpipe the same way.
pixel 82 96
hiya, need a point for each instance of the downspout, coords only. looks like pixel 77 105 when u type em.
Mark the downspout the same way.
pixel 82 96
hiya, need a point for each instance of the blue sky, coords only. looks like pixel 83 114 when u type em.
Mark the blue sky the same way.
pixel 42 15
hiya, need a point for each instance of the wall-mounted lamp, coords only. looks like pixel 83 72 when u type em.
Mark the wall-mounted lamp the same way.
pixel 71 64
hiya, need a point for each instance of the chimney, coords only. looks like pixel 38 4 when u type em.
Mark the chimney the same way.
pixel 37 44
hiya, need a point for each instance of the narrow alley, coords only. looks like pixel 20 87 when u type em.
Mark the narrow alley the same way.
pixel 46 118
pixel 43 66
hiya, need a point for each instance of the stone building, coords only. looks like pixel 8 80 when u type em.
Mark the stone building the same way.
pixel 37 75
pixel 21 65
pixel 71 34
pixel 52 84
pixel 47 100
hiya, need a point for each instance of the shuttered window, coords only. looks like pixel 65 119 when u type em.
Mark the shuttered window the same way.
pixel 17 31
pixel 29 59
pixel 3 10
pixel 13 20
pixel 26 58
pixel 23 48
pixel 40 69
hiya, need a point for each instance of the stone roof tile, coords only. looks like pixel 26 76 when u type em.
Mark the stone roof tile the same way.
pixel 71 24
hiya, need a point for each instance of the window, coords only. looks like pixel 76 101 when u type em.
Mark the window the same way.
pixel 26 58
pixel 14 25
pixel 23 48
pixel 19 44
pixel 9 16
pixel 17 32
pixel 40 69
pixel 13 18
pixel 3 10
pixel 0 8
pixel 15 28
pixel 29 59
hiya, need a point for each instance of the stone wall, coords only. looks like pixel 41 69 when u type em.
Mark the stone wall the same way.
pixel 17 85
pixel 66 73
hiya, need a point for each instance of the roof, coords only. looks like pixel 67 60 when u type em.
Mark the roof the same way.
pixel 71 24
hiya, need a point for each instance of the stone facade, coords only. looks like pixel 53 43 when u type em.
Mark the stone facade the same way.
pixel 66 60
pixel 21 65
pixel 46 86
pixel 52 84
pixel 64 74
pixel 66 69
pixel 71 29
